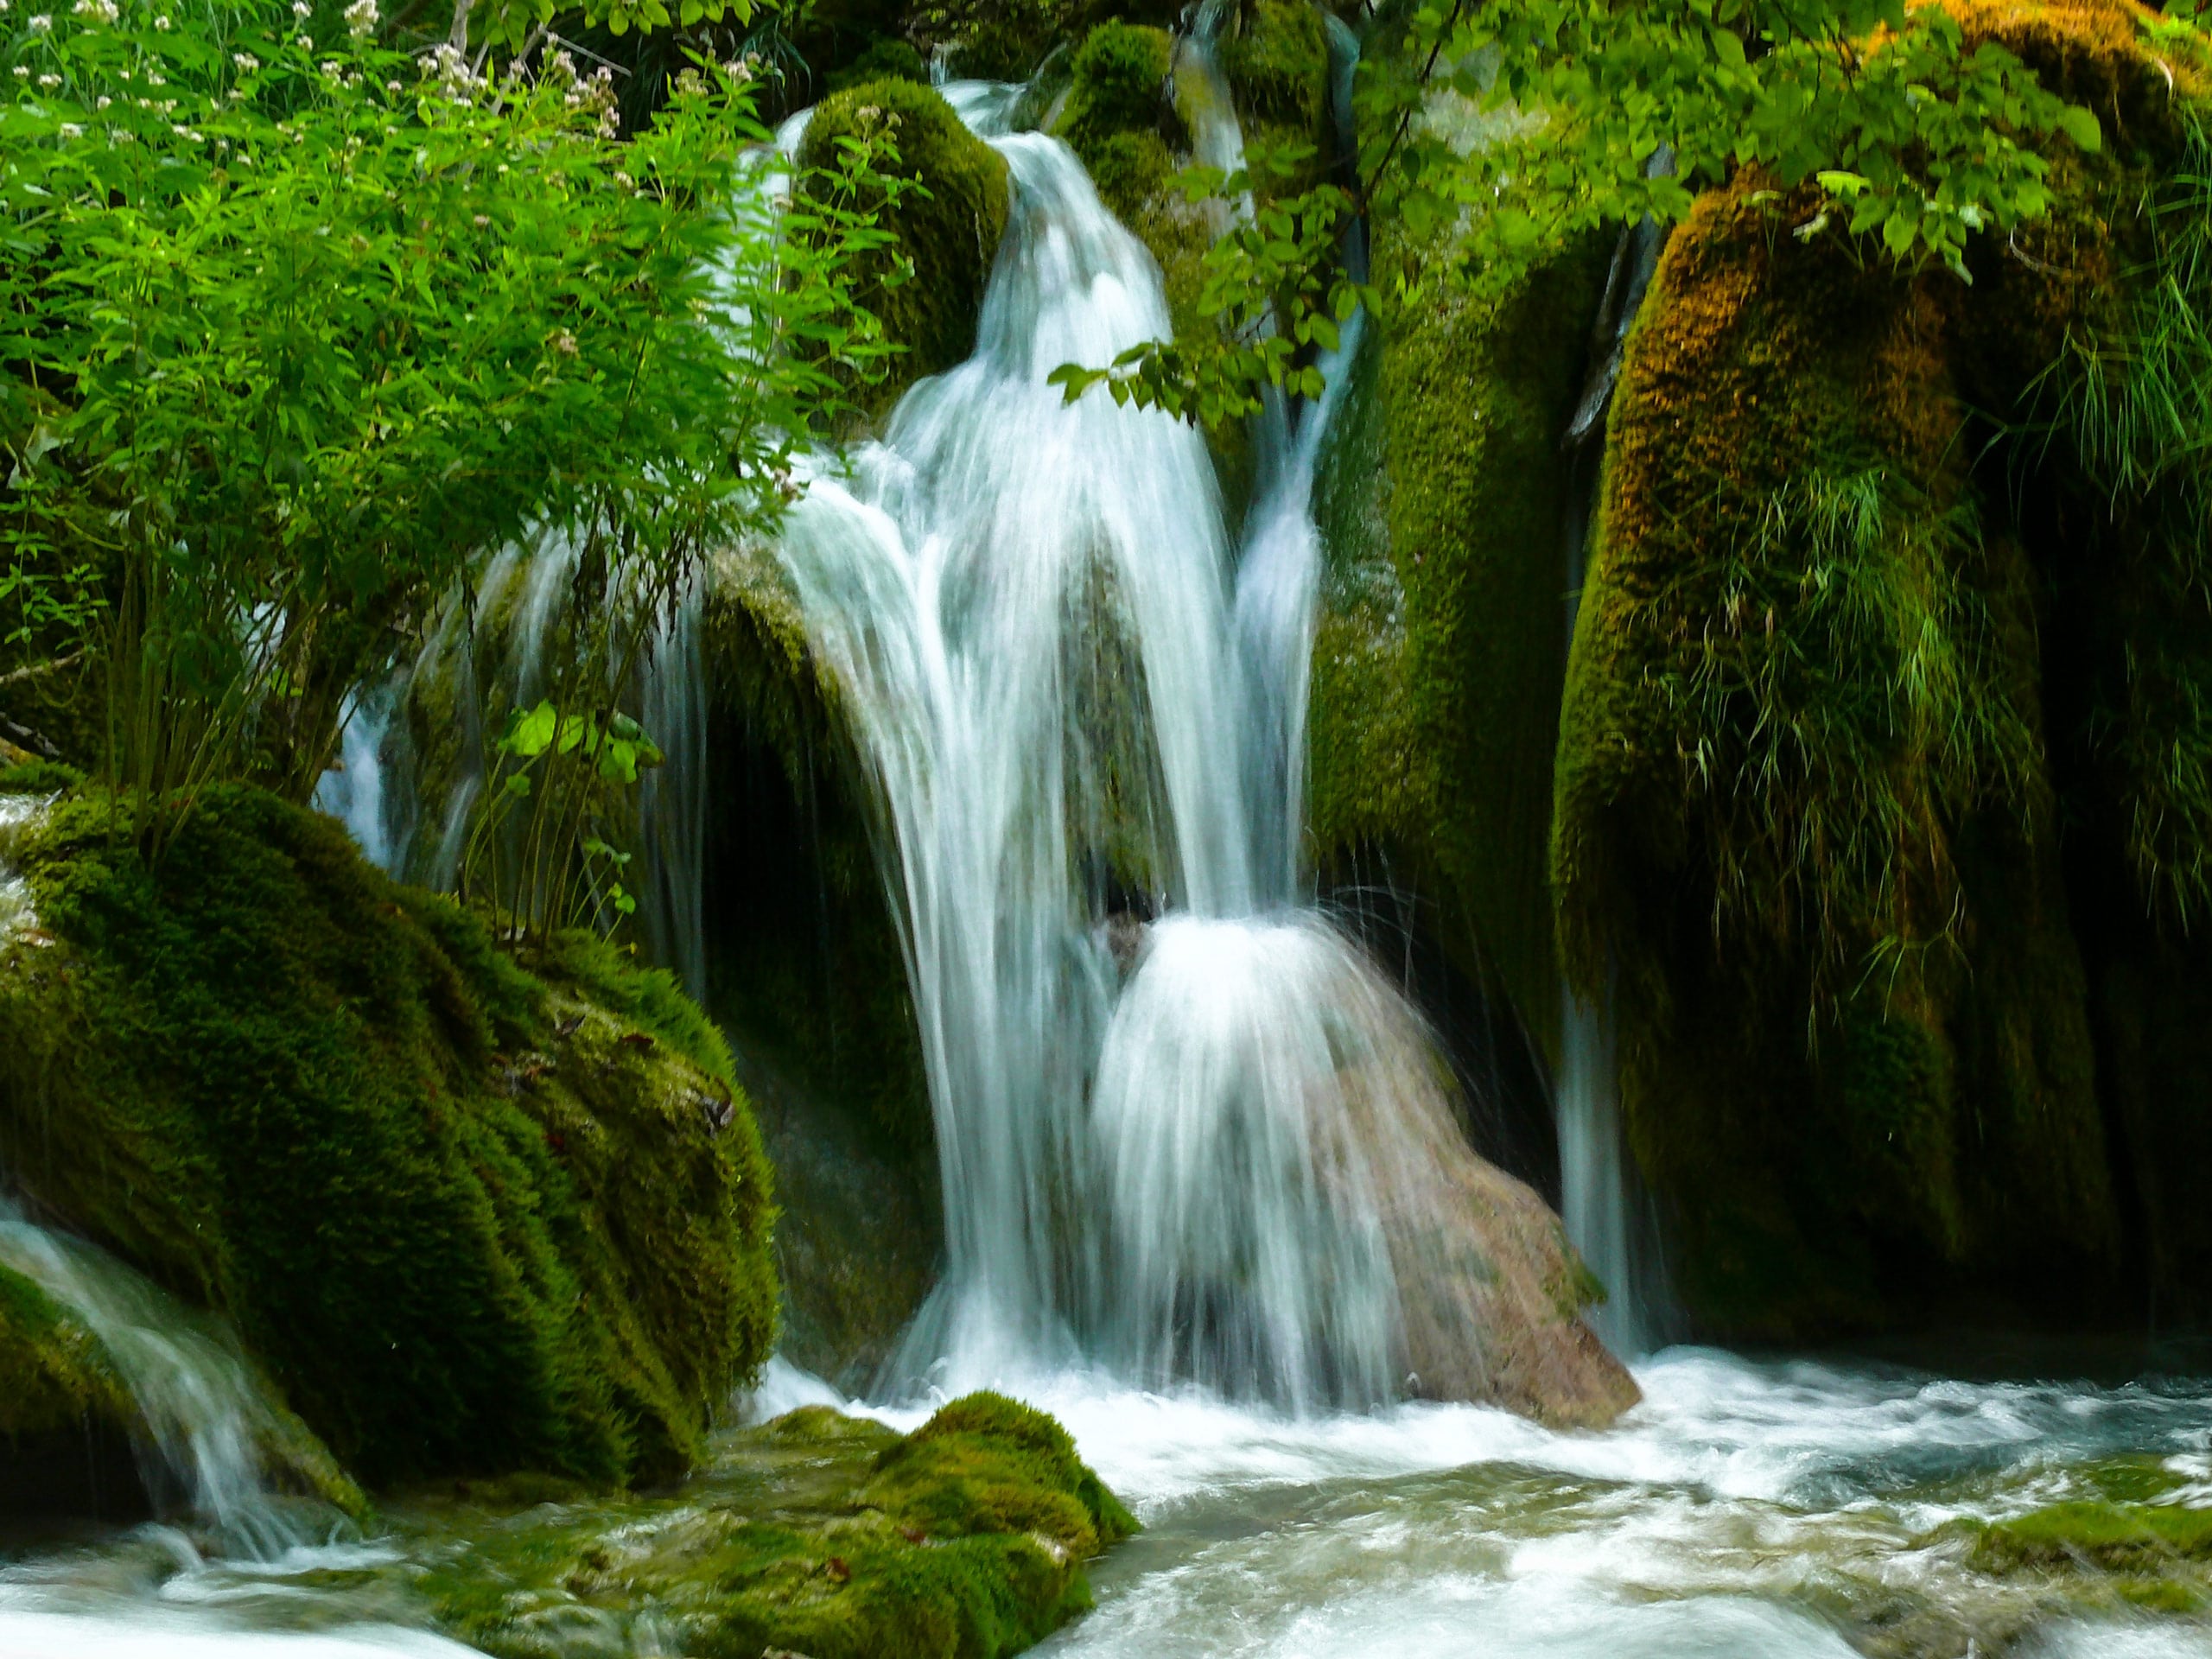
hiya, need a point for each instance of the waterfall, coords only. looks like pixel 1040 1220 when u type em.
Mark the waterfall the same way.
pixel 1603 1202
pixel 207 1422
pixel 1185 1129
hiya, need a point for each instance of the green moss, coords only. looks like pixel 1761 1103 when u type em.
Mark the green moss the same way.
pixel 928 287
pixel 986 1463
pixel 1120 71
pixel 884 57
pixel 1443 498
pixel 2109 1537
pixel 818 1533
pixel 1807 819
pixel 470 1218
pixel 54 1376
pixel 1276 59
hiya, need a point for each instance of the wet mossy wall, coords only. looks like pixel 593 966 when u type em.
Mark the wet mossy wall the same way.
pixel 806 972
pixel 471 1215
pixel 1443 498
pixel 1823 814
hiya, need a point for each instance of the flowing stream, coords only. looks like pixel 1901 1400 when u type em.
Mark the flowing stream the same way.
pixel 1182 1118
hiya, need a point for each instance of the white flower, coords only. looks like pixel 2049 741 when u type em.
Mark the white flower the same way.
pixel 121 135
pixel 23 71
pixel 103 102
pixel 393 87
pixel 246 62
pixel 158 78
pixel 70 132
pixel 301 10
pixel 162 23
pixel 100 11
pixel 42 24
pixel 331 68
pixel 49 82
pixel 361 17
pixel 482 221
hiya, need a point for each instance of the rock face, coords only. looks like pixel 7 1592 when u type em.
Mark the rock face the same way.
pixel 471 1214
pixel 1870 803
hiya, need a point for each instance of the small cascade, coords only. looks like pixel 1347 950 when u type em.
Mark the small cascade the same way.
pixel 1608 1213
pixel 208 1423
pixel 673 797
pixel 354 790
pixel 1185 1129
pixel 17 813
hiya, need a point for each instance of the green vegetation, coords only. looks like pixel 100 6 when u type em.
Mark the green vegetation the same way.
pixel 1886 127
pixel 472 1213
pixel 2132 1538
pixel 53 1376
pixel 1442 638
pixel 1821 724
pixel 942 204
pixel 821 1534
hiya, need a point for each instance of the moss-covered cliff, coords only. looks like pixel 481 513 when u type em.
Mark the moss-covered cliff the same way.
pixel 471 1214
pixel 1816 819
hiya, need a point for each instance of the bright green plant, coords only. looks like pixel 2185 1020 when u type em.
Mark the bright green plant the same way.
pixel 1909 138
pixel 300 329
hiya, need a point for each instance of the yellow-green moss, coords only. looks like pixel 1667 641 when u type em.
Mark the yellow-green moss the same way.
pixel 54 1376
pixel 817 1534
pixel 1276 57
pixel 1806 823
pixel 928 287
pixel 470 1216
pixel 2108 1537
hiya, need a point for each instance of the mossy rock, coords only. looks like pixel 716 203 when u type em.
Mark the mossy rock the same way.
pixel 471 1216
pixel 2092 1534
pixel 55 1375
pixel 819 1533
pixel 884 57
pixel 927 288
pixel 1276 56
pixel 1859 1061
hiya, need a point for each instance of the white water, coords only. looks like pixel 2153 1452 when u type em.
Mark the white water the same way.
pixel 206 1422
pixel 1084 710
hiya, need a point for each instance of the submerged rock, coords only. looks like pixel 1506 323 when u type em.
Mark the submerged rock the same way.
pixel 827 1535
pixel 471 1215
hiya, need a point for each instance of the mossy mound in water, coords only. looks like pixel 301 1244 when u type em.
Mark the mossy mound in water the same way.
pixel 2123 1538
pixel 469 1215
pixel 819 1533
pixel 1812 763
pixel 928 287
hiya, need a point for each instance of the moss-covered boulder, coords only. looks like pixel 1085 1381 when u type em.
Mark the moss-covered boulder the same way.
pixel 470 1214
pixel 1814 815
pixel 818 1533
pixel 2099 1535
pixel 927 288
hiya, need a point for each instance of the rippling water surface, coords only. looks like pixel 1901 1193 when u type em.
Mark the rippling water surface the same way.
pixel 1765 1510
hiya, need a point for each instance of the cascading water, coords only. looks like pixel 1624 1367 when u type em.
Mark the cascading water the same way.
pixel 208 1423
pixel 1224 1168
pixel 1604 1206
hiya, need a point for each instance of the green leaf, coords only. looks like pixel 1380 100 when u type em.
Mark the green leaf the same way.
pixel 2081 125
